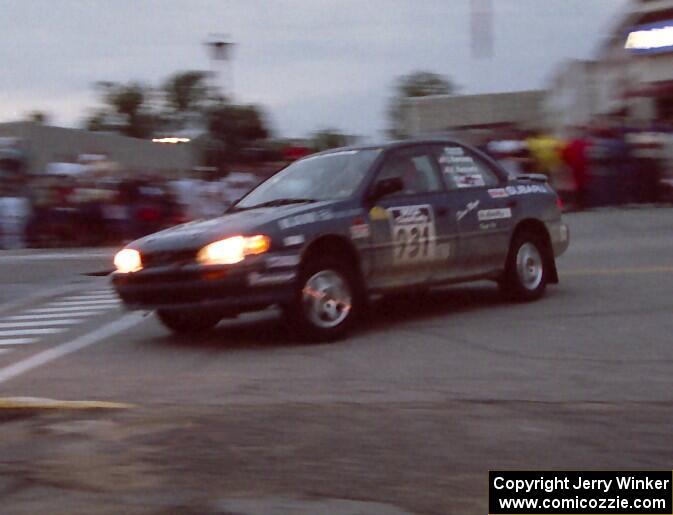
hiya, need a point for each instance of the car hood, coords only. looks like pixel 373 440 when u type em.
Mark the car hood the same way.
pixel 194 235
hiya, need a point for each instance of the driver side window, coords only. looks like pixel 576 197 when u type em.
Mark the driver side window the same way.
pixel 415 167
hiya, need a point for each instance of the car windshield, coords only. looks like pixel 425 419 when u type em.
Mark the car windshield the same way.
pixel 324 177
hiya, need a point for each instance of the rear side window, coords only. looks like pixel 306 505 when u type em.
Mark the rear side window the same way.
pixel 415 167
pixel 462 169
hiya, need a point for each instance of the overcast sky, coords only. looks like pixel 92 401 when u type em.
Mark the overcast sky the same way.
pixel 309 63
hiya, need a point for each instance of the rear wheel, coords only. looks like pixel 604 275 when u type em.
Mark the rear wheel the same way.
pixel 187 322
pixel 327 301
pixel 526 272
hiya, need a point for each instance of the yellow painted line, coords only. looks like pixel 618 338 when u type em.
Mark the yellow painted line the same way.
pixel 40 403
pixel 619 271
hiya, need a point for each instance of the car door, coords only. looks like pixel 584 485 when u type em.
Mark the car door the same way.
pixel 409 228
pixel 482 209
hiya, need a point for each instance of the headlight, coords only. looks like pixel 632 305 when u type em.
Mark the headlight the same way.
pixel 233 250
pixel 128 260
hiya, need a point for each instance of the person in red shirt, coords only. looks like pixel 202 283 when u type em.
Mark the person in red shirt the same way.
pixel 574 154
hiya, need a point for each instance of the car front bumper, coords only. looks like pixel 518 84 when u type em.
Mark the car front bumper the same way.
pixel 253 284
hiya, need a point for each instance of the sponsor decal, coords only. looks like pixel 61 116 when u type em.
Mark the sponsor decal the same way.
pixel 348 212
pixel 306 218
pixel 359 231
pixel 282 261
pixel 525 189
pixel 470 207
pixel 488 225
pixel 413 234
pixel 378 213
pixel 257 279
pixel 291 241
pixel 494 214
pixel 498 193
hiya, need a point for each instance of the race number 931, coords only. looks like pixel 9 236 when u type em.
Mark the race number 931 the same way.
pixel 413 233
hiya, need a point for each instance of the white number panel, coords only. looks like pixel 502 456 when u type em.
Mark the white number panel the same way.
pixel 413 233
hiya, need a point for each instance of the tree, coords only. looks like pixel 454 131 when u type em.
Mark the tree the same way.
pixel 416 84
pixel 325 139
pixel 187 91
pixel 233 128
pixel 39 117
pixel 126 110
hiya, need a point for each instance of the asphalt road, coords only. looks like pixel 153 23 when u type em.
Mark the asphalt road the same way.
pixel 408 414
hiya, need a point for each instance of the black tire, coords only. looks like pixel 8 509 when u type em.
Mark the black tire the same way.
pixel 187 322
pixel 527 268
pixel 303 315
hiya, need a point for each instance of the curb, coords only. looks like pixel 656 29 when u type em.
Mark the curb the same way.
pixel 53 404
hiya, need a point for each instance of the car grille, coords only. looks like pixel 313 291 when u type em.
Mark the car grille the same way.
pixel 168 257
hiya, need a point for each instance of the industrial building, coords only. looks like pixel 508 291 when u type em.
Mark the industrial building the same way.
pixel 630 78
pixel 41 145
pixel 465 113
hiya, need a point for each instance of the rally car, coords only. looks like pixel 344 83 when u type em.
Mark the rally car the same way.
pixel 322 235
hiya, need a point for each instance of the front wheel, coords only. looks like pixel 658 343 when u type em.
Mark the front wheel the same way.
pixel 187 322
pixel 327 301
pixel 526 273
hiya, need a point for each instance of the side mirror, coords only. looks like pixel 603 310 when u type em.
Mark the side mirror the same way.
pixel 386 187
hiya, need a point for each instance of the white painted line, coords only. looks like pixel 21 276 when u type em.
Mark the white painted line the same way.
pixel 41 295
pixel 100 334
pixel 93 293
pixel 47 316
pixel 18 341
pixel 110 296
pixel 68 309
pixel 40 323
pixel 84 303
pixel 21 332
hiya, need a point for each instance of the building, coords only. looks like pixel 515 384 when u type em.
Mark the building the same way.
pixel 42 144
pixel 631 77
pixel 465 113
pixel 571 97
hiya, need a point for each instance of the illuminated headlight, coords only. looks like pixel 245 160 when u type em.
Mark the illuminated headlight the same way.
pixel 233 250
pixel 128 260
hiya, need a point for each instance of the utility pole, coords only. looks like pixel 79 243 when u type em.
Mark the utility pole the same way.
pixel 481 29
pixel 220 50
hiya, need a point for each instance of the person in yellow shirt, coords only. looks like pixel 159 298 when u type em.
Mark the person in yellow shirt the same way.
pixel 546 152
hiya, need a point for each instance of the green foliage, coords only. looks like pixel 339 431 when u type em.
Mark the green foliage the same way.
pixel 187 91
pixel 127 110
pixel 234 128
pixel 325 139
pixel 416 84
pixel 39 117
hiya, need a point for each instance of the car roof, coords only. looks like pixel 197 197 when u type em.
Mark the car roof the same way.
pixel 428 140
pixel 392 144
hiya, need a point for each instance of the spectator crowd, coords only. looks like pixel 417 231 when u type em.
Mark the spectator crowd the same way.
pixel 603 165
pixel 107 209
